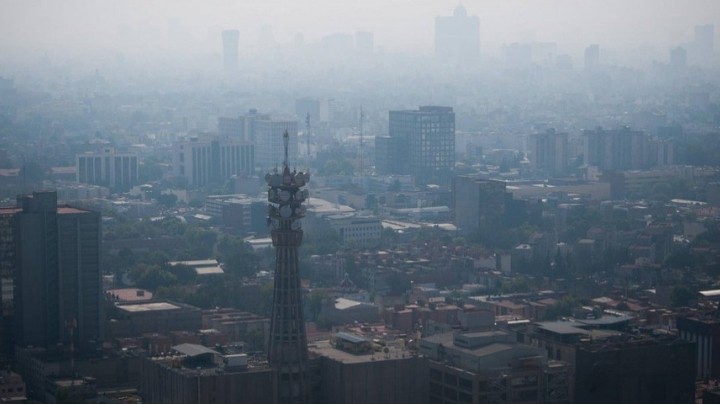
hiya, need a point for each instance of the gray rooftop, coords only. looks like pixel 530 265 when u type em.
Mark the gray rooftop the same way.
pixel 192 350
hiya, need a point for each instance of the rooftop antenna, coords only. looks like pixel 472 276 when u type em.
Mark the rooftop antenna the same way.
pixel 286 140
pixel 307 134
pixel 362 118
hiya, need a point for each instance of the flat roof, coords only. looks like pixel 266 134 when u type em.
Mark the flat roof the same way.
pixel 131 294
pixel 710 293
pixel 206 262
pixel 192 350
pixel 70 210
pixel 350 337
pixel 344 303
pixel 209 270
pixel 563 328
pixel 152 306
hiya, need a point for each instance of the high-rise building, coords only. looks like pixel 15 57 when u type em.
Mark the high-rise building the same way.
pixel 265 134
pixel 678 58
pixel 8 264
pixel 109 168
pixel 204 161
pixel 288 352
pixel 478 204
pixel 704 331
pixel 230 40
pixel 705 39
pixel 422 143
pixel 457 37
pixel 615 149
pixel 364 43
pixel 592 56
pixel 57 276
pixel 549 152
pixel 319 110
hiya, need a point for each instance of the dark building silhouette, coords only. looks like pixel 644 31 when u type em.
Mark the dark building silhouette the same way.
pixel 421 142
pixel 704 332
pixel 457 37
pixel 287 353
pixel 645 370
pixel 57 272
pixel 230 40
pixel 478 204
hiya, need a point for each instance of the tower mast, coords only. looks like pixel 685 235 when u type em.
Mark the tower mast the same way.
pixel 287 352
pixel 307 134
pixel 362 118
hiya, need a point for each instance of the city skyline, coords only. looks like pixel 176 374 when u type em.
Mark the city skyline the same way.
pixel 398 26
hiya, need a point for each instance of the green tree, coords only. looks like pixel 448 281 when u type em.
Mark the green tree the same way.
pixel 167 200
pixel 314 303
pixel 681 296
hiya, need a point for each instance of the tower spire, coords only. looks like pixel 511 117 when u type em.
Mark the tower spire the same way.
pixel 286 140
pixel 287 349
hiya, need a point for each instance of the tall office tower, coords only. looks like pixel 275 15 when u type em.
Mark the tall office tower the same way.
pixel 549 152
pixel 231 39
pixel 457 37
pixel 116 170
pixel 57 258
pixel 705 39
pixel 428 137
pixel 287 352
pixel 615 149
pixel 592 56
pixel 364 43
pixel 8 264
pixel 478 204
pixel 678 58
pixel 213 160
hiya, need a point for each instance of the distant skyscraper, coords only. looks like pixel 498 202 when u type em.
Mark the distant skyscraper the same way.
pixel 457 37
pixel 287 353
pixel 592 56
pixel 58 290
pixel 231 39
pixel 422 143
pixel 549 152
pixel 364 43
pixel 678 57
pixel 705 39
pixel 319 110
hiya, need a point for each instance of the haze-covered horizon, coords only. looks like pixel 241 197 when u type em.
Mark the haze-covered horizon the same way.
pixel 80 27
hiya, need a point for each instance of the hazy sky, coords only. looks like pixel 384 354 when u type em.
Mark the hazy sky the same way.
pixel 397 24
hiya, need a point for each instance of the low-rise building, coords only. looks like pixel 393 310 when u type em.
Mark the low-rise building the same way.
pixel 490 366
